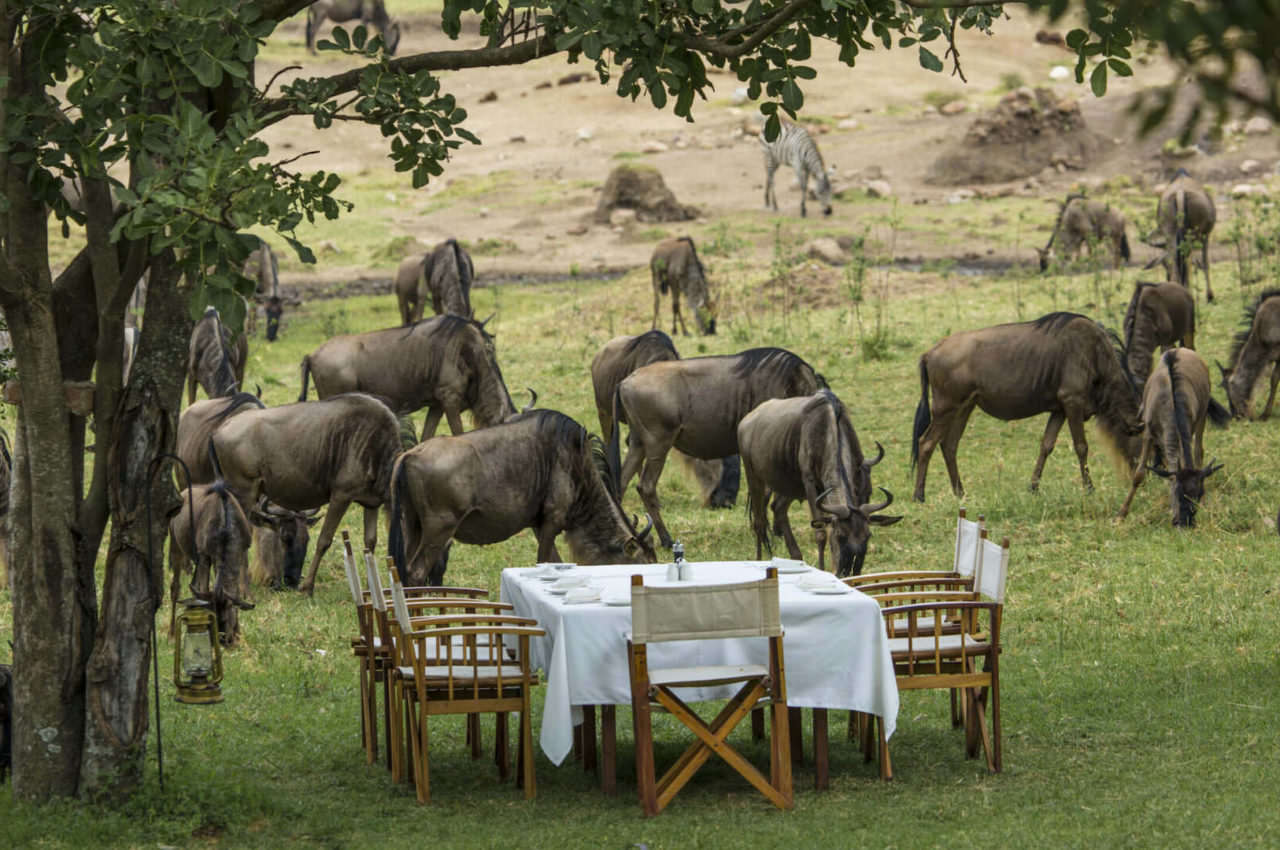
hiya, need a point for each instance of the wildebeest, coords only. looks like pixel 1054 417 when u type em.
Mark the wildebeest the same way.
pixel 263 268
pixel 443 274
pixel 538 470
pixel 695 405
pixel 1159 314
pixel 1063 364
pixel 620 356
pixel 806 448
pixel 1256 346
pixel 1083 223
pixel 280 540
pixel 675 267
pixel 1185 216
pixel 366 11
pixel 305 455
pixel 216 358
pixel 1175 404
pixel 215 525
pixel 445 363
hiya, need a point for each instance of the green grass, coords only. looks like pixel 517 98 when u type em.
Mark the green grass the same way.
pixel 1138 677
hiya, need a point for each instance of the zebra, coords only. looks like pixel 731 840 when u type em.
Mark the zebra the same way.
pixel 794 147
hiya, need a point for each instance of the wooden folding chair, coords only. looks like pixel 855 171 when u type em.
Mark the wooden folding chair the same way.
pixel 708 612
pixel 945 641
pixel 462 664
pixel 366 647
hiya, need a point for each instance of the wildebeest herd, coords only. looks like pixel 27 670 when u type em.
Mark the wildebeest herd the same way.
pixel 260 475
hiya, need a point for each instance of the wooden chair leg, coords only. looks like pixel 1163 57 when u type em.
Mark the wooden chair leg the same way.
pixel 500 755
pixel 530 779
pixel 796 724
pixel 866 729
pixel 757 724
pixel 995 710
pixel 474 737
pixel 577 742
pixel 609 750
pixel 589 738
pixel 780 743
pixel 645 781
pixel 820 765
pixel 886 765
pixel 956 709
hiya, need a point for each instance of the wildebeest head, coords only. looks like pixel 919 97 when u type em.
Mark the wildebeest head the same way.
pixel 850 529
pixel 391 38
pixel 1238 396
pixel 280 563
pixel 1188 489
pixel 706 317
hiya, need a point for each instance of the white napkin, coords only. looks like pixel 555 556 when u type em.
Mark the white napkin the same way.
pixel 583 593
pixel 814 579
pixel 569 581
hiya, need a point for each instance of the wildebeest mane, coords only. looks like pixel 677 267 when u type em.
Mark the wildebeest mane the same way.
pixel 779 366
pixel 654 339
pixel 844 437
pixel 590 465
pixel 1055 322
pixel 1246 326
pixel 702 273
pixel 236 402
pixel 464 274
pixel 1181 421
pixel 1131 314
pixel 364 441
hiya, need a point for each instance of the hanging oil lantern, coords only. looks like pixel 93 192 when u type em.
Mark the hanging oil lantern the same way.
pixel 197 659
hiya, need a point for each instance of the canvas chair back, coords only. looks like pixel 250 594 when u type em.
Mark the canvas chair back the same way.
pixel 994 569
pixel 968 533
pixel 705 612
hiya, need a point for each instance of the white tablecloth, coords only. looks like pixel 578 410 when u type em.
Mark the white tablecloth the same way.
pixel 835 648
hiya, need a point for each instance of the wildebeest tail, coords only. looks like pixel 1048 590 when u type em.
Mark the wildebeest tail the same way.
pixel 613 448
pixel 1124 246
pixel 311 28
pixel 214 462
pixel 923 418
pixel 306 376
pixel 726 491
pixel 1218 414
pixel 395 536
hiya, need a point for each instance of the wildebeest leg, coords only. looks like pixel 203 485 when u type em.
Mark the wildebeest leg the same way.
pixel 1139 475
pixel 1271 399
pixel 547 552
pixel 676 318
pixel 337 507
pixel 433 422
pixel 657 305
pixel 757 502
pixel 951 442
pixel 782 526
pixel 370 529
pixel 1051 429
pixel 1076 424
pixel 177 563
pixel 191 384
pixel 631 464
pixel 928 442
pixel 455 419
pixel 655 456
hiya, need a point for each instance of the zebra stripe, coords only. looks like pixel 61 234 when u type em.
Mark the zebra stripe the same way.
pixel 794 147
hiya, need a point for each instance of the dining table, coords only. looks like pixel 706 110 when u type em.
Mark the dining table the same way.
pixel 835 646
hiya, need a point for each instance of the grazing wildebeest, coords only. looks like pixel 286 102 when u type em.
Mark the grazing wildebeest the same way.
pixel 1175 404
pixel 695 405
pixel 1185 216
pixel 796 148
pixel 214 358
pixel 305 455
pixel 445 364
pixel 214 523
pixel 806 448
pixel 1256 346
pixel 1063 364
pixel 366 11
pixel 444 274
pixel 620 356
pixel 675 267
pixel 538 470
pixel 1083 224
pixel 1159 314
pixel 280 540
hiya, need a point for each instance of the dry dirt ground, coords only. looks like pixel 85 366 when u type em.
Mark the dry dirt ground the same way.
pixel 547 150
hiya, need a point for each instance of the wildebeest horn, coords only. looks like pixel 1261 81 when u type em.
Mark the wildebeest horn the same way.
pixel 640 535
pixel 533 400
pixel 879 456
pixel 1163 473
pixel 870 509
pixel 841 511
pixel 1213 467
pixel 487 321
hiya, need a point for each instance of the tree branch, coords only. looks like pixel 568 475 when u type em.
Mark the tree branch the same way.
pixel 278 108
pixel 767 28
pixel 959 4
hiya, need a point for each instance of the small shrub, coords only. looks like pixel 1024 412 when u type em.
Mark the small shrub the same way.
pixel 1011 81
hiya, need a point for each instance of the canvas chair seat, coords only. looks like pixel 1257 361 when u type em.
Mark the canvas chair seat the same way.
pixel 442 675
pixel 698 677
pixel 707 612
pixel 944 646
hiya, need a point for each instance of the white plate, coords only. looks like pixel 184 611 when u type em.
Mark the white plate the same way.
pixel 616 601
pixel 786 565
pixel 831 590
pixel 558 591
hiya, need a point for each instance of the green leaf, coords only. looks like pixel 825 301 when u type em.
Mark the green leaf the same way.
pixel 658 94
pixel 1077 37
pixel 928 60
pixel 304 253
pixel 1098 80
pixel 341 38
pixel 792 97
pixel 591 45
pixel 704 7
pixel 1121 68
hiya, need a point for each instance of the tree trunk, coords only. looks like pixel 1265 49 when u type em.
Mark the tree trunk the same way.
pixel 145 426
